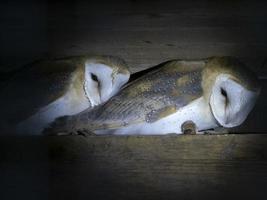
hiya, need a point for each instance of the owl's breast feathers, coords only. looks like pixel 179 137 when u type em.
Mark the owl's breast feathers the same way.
pixel 153 96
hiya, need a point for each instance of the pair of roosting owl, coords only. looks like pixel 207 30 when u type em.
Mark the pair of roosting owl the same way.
pixel 88 95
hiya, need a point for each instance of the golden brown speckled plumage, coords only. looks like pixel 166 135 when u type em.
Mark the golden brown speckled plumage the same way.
pixel 231 66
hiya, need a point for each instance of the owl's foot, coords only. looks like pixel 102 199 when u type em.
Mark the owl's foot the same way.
pixel 189 127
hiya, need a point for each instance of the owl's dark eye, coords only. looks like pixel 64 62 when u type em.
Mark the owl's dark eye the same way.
pixel 223 92
pixel 94 77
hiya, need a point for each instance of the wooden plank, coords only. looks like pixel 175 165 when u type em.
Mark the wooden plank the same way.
pixel 147 33
pixel 140 167
pixel 144 33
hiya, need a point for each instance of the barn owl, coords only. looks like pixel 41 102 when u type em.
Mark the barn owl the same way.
pixel 210 93
pixel 52 88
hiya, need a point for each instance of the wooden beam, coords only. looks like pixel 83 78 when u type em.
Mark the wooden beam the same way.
pixel 135 167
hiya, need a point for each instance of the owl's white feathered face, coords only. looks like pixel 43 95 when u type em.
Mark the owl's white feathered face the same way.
pixel 231 102
pixel 102 82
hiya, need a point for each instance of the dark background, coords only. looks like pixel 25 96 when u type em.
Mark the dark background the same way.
pixel 144 33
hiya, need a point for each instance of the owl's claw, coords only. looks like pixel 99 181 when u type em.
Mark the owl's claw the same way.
pixel 189 128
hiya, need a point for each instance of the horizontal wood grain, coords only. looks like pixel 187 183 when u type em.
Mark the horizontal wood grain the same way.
pixel 135 167
pixel 144 33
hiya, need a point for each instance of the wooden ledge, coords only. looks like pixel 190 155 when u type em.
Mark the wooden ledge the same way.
pixel 135 167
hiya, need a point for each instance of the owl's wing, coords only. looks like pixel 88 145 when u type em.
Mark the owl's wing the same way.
pixel 149 98
pixel 34 87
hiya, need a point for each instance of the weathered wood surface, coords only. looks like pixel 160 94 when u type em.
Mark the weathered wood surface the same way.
pixel 144 33
pixel 152 167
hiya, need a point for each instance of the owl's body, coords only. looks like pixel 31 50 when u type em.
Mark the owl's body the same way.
pixel 170 124
pixel 52 88
pixel 178 91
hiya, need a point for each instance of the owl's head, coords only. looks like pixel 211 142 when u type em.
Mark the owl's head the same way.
pixel 104 76
pixel 231 90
